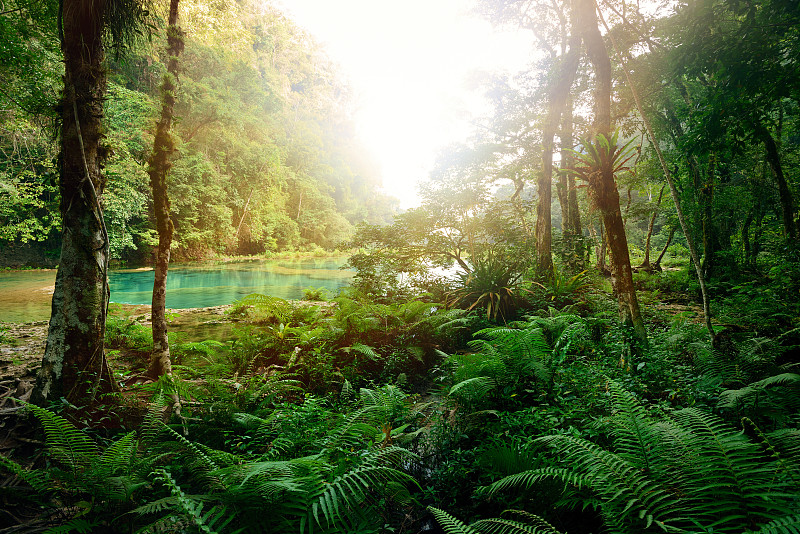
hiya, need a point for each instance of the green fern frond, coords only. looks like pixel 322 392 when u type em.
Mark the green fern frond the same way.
pixel 499 525
pixel 203 459
pixel 510 460
pixel 389 402
pixel 79 525
pixel 120 455
pixel 631 428
pixel 215 518
pixel 784 525
pixel 153 422
pixel 365 350
pixel 35 478
pixel 66 443
pixel 155 507
pixel 786 444
pixel 450 524
pixel 390 456
pixel 471 389
pixel 354 427
pixel 764 392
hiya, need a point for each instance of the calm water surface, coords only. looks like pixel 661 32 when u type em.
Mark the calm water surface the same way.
pixel 25 295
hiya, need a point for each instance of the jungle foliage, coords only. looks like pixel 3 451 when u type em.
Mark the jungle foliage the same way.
pixel 267 157
pixel 457 386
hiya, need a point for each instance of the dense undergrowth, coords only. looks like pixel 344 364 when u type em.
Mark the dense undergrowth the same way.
pixel 376 415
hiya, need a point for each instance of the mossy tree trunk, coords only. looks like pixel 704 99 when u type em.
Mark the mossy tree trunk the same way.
pixel 160 164
pixel 603 187
pixel 790 227
pixel 74 364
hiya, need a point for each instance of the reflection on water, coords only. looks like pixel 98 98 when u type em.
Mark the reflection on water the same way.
pixel 25 295
pixel 201 286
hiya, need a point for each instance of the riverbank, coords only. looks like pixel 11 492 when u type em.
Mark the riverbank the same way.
pixel 22 344
pixel 26 294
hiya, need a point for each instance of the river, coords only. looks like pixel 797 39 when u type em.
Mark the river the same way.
pixel 25 295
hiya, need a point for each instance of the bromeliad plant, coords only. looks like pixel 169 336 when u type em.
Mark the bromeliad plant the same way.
pixel 493 284
pixel 602 157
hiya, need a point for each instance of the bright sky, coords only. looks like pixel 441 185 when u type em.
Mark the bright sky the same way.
pixel 408 63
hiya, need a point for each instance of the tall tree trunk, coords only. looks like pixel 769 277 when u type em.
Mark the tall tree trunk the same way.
pixel 604 188
pixel 74 365
pixel 160 164
pixel 673 190
pixel 790 227
pixel 745 233
pixel 557 97
pixel 705 192
pixel 568 195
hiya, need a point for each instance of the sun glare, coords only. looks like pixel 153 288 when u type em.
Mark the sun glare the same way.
pixel 408 64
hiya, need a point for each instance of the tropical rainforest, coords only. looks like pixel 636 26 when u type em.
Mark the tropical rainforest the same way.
pixel 591 322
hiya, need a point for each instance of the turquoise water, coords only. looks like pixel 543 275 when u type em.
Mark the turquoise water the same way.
pixel 25 295
pixel 199 286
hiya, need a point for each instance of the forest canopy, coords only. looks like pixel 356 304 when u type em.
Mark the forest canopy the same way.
pixel 267 156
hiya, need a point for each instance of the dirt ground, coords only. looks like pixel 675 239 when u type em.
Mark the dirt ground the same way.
pixel 22 345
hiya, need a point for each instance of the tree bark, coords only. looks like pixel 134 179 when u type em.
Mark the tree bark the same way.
pixel 557 97
pixel 646 266
pixel 74 365
pixel 603 187
pixel 657 263
pixel 568 195
pixel 705 192
pixel 784 193
pixel 675 194
pixel 160 164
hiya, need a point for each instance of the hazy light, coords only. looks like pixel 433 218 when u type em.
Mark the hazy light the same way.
pixel 408 63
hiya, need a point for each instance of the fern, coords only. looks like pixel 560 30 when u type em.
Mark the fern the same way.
pixel 783 525
pixel 469 391
pixel 532 524
pixel 450 524
pixel 193 509
pixel 76 524
pixel 36 479
pixel 688 472
pixel 389 402
pixel 365 350
pixel 776 397
pixel 65 443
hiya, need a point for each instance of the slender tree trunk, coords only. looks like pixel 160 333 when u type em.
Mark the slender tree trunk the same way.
pixel 657 264
pixel 568 195
pixel 646 263
pixel 600 248
pixel 747 249
pixel 603 187
pixel 706 198
pixel 244 212
pixel 790 227
pixel 160 164
pixel 74 365
pixel 674 191
pixel 516 203
pixel 557 100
